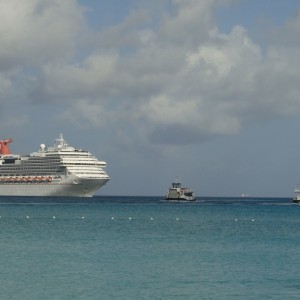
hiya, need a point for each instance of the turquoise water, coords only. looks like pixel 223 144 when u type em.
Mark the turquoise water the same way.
pixel 144 248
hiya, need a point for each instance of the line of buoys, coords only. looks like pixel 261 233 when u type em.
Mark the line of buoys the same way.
pixel 130 218
pixel 112 218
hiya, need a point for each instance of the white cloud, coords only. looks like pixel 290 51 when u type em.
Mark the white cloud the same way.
pixel 89 78
pixel 180 74
pixel 5 87
pixel 97 116
pixel 34 31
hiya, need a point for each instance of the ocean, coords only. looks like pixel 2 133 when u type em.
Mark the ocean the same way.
pixel 147 248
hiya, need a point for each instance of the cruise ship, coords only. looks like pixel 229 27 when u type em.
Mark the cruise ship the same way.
pixel 58 170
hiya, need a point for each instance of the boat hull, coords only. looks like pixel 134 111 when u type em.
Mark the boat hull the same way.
pixel 186 199
pixel 69 187
pixel 179 194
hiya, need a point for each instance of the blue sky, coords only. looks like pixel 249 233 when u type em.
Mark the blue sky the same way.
pixel 204 90
pixel 248 13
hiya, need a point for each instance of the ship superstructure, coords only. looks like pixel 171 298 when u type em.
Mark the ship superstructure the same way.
pixel 59 170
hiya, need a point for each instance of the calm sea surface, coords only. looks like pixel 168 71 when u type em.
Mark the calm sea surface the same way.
pixel 146 248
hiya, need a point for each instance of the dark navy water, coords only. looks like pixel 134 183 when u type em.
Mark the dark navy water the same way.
pixel 146 248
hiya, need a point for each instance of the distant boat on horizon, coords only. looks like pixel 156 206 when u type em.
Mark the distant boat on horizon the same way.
pixel 246 195
pixel 296 199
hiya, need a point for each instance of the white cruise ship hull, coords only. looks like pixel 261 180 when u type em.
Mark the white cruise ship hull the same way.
pixel 84 188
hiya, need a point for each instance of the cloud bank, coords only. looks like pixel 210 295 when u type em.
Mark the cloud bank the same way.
pixel 168 77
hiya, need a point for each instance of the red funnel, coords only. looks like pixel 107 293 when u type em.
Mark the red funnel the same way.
pixel 3 146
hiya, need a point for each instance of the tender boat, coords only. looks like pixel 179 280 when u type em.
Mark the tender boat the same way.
pixel 178 193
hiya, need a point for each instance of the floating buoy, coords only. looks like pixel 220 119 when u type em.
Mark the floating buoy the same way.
pixel 112 218
pixel 27 217
pixel 82 217
pixel 53 217
pixel 151 219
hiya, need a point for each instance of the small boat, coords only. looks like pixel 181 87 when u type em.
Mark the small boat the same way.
pixel 297 192
pixel 178 193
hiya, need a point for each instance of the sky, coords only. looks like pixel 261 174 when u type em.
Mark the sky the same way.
pixel 204 90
